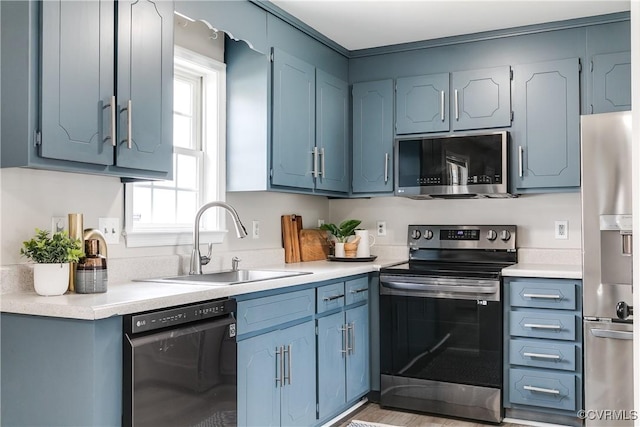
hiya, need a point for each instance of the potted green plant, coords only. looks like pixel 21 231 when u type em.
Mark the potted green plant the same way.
pixel 341 232
pixel 52 255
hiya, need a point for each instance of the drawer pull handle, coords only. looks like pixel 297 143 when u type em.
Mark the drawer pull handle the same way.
pixel 542 356
pixel 333 297
pixel 357 291
pixel 539 326
pixel 542 296
pixel 541 390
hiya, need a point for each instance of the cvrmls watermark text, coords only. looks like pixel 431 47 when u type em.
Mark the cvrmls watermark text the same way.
pixel 608 415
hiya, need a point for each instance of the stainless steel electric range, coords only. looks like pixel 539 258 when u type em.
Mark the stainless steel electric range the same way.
pixel 441 321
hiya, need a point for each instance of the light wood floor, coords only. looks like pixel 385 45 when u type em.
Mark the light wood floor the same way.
pixel 374 413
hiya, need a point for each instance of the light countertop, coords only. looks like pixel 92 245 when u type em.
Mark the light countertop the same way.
pixel 133 297
pixel 557 271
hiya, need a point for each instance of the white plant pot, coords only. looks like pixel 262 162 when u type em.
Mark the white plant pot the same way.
pixel 51 279
pixel 339 250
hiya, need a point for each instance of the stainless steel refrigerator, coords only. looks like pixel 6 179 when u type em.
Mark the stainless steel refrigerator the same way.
pixel 607 268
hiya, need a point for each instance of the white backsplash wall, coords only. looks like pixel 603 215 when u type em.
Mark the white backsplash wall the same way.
pixel 535 216
pixel 31 197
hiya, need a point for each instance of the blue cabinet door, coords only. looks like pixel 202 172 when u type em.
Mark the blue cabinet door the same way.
pixel 611 77
pixel 298 402
pixel 258 391
pixel 145 85
pixel 422 104
pixel 293 122
pixel 77 80
pixel 481 98
pixel 546 127
pixel 332 132
pixel 373 137
pixel 331 364
pixel 358 352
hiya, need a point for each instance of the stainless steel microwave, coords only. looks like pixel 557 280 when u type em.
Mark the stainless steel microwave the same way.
pixel 453 166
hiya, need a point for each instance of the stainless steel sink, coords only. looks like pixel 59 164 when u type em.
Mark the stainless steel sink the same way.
pixel 229 277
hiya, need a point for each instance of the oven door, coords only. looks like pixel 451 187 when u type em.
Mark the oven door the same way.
pixel 444 349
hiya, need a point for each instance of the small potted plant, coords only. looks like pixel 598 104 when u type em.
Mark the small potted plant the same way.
pixel 341 232
pixel 52 255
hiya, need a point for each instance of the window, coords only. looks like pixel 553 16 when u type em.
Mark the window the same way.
pixel 160 213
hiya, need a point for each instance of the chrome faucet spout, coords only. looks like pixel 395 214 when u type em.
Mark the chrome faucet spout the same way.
pixel 196 258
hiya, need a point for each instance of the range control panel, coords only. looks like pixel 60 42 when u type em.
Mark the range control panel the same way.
pixel 176 316
pixel 498 237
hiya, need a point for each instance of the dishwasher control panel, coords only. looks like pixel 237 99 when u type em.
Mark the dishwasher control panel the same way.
pixel 150 321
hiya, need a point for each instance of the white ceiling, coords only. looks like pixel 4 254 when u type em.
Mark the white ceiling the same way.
pixel 360 24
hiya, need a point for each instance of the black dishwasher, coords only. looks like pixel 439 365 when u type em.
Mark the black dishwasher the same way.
pixel 179 366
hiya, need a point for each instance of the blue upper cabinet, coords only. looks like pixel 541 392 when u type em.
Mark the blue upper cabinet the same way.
pixel 481 98
pixel 145 85
pixel 294 158
pixel 82 121
pixel 546 126
pixel 422 104
pixel 611 80
pixel 310 127
pixel 373 137
pixel 75 94
pixel 332 132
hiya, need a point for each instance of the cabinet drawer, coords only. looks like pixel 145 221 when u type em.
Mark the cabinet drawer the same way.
pixel 357 290
pixel 543 324
pixel 543 354
pixel 539 388
pixel 330 297
pixel 559 294
pixel 261 313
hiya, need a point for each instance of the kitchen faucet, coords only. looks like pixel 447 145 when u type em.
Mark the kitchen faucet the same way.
pixel 197 260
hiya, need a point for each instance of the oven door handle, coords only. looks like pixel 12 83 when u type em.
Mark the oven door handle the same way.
pixel 439 285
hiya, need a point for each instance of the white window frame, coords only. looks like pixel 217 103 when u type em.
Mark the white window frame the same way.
pixel 213 165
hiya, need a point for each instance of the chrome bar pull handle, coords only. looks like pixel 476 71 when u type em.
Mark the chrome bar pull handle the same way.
pixel 113 118
pixel 442 106
pixel 542 296
pixel 541 326
pixel 357 291
pixel 128 110
pixel 333 297
pixel 455 100
pixel 345 344
pixel 541 390
pixel 352 326
pixel 520 161
pixel 542 355
pixel 386 167
pixel 290 357
pixel 314 156
pixel 322 165
pixel 627 243
pixel 279 356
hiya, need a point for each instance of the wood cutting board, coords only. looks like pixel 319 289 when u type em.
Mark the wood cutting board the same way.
pixel 314 245
pixel 291 226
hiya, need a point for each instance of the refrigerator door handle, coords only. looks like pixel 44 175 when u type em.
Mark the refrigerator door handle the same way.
pixel 606 333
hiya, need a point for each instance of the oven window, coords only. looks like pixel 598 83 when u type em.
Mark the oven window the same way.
pixel 448 340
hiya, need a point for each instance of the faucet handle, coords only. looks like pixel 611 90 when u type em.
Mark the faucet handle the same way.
pixel 205 259
pixel 234 263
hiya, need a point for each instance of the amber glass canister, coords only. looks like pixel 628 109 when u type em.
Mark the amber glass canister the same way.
pixel 75 232
pixel 91 271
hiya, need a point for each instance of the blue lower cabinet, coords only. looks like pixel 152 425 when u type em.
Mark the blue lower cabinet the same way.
pixel 276 377
pixel 343 359
pixel 358 380
pixel 540 388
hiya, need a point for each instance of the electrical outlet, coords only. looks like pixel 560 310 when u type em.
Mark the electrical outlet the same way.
pixel 255 232
pixel 58 223
pixel 320 222
pixel 562 230
pixel 110 227
pixel 382 228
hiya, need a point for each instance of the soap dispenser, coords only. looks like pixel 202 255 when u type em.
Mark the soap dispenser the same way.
pixel 91 271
